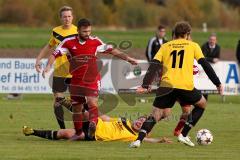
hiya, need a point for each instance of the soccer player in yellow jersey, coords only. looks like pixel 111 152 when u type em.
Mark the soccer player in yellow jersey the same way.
pixel 61 77
pixel 107 129
pixel 175 60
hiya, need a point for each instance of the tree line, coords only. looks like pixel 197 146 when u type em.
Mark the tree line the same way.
pixel 124 13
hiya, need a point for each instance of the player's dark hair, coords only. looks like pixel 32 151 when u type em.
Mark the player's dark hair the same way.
pixel 63 9
pixel 160 27
pixel 83 23
pixel 181 29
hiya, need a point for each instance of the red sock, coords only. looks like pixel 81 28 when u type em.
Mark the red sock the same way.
pixel 180 125
pixel 77 121
pixel 93 114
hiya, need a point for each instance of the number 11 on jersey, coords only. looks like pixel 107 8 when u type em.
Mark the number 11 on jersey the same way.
pixel 174 54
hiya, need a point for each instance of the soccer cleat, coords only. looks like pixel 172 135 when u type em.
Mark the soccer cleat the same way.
pixel 27 131
pixel 185 140
pixel 91 130
pixel 135 144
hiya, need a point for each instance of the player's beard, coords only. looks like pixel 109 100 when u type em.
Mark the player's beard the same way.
pixel 83 38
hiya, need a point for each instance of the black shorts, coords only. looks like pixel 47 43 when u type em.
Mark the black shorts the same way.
pixel 168 99
pixel 60 84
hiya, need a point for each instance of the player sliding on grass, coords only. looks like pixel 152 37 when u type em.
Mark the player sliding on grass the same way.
pixel 176 59
pixel 85 83
pixel 107 129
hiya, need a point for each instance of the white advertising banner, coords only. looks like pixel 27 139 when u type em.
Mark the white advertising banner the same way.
pixel 19 76
pixel 106 80
pixel 228 73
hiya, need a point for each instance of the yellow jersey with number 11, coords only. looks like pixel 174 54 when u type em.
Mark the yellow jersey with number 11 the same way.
pixel 177 57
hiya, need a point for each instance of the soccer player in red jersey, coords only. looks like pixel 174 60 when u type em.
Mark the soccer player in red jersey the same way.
pixel 85 83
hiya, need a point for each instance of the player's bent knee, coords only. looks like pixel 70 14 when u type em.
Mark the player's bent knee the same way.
pixel 184 115
pixel 77 108
pixel 58 94
pixel 92 104
pixel 202 103
pixel 157 113
pixel 66 133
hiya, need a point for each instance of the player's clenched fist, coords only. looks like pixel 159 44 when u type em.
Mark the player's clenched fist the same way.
pixel 46 70
pixel 141 90
pixel 38 66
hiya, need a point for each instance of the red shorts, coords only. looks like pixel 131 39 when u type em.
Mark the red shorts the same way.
pixel 80 89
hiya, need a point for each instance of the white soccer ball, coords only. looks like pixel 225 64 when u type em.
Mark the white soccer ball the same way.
pixel 204 137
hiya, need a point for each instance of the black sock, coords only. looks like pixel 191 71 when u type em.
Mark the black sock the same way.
pixel 59 114
pixel 146 128
pixel 64 102
pixel 193 118
pixel 85 106
pixel 47 134
pixel 205 96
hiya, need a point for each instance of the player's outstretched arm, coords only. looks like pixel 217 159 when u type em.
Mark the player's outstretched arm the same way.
pixel 157 140
pixel 121 55
pixel 155 66
pixel 44 51
pixel 211 74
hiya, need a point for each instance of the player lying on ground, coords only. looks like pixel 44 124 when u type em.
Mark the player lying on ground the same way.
pixel 107 129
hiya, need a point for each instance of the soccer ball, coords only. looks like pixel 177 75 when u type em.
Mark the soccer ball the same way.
pixel 204 137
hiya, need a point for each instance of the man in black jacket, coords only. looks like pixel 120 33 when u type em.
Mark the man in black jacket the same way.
pixel 211 51
pixel 155 43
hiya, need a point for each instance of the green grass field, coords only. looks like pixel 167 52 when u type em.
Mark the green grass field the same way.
pixel 36 110
pixel 37 37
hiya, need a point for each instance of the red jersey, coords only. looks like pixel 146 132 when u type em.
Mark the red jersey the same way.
pixel 82 56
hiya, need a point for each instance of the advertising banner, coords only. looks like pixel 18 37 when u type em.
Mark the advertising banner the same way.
pixel 18 75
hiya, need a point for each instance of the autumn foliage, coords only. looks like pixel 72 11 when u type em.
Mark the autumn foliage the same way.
pixel 123 13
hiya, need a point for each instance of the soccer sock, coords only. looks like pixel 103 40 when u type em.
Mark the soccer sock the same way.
pixel 47 134
pixel 77 121
pixel 180 125
pixel 192 120
pixel 58 111
pixel 65 102
pixel 93 114
pixel 146 128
